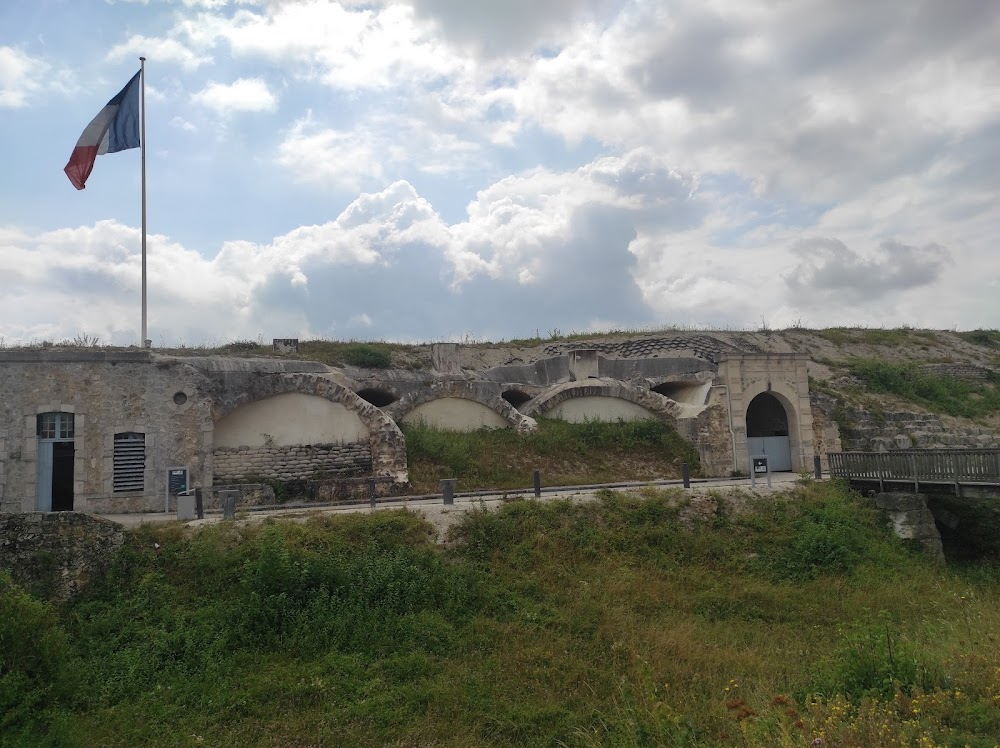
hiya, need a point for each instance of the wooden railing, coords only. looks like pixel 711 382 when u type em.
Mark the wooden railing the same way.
pixel 949 466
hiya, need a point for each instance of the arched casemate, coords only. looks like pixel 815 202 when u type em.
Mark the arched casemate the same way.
pixel 298 426
pixel 601 400
pixel 460 406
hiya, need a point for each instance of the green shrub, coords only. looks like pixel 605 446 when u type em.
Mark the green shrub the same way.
pixel 367 355
pixel 872 658
pixel 37 666
pixel 242 346
pixel 940 393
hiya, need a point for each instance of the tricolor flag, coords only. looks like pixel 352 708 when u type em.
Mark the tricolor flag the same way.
pixel 115 128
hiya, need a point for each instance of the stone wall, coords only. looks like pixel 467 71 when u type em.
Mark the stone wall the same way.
pixel 250 494
pixel 826 431
pixel 55 554
pixel 880 431
pixel 961 371
pixel 291 463
pixel 710 433
pixel 107 393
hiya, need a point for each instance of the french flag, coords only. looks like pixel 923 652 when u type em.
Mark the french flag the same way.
pixel 115 128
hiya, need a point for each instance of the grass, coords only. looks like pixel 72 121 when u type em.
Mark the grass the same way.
pixel 365 355
pixel 566 453
pixel 985 338
pixel 938 393
pixel 880 336
pixel 613 623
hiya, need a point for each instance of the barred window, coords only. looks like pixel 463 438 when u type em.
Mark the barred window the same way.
pixel 130 462
pixel 55 426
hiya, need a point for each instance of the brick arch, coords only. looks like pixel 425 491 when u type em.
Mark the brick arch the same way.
pixel 655 403
pixel 472 391
pixel 386 441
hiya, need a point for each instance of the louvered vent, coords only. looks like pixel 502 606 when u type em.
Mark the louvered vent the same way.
pixel 130 462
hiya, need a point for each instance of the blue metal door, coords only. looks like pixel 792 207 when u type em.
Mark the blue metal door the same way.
pixel 777 449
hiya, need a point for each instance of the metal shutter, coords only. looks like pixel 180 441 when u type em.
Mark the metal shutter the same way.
pixel 130 462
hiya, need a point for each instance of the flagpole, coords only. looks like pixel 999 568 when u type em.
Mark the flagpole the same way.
pixel 142 145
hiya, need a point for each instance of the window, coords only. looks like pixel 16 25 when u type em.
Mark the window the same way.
pixel 55 426
pixel 130 462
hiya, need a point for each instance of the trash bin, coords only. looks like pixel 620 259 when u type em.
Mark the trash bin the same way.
pixel 186 505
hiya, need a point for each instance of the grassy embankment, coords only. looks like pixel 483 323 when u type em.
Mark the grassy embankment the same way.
pixel 565 453
pixel 938 393
pixel 614 623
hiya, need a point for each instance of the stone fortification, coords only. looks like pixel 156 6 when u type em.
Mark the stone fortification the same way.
pixel 225 419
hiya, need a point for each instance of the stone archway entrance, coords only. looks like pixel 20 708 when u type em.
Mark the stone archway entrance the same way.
pixel 767 431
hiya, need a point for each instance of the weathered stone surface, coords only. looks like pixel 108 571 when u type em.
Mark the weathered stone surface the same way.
pixel 912 520
pixel 312 461
pixel 56 554
pixel 888 430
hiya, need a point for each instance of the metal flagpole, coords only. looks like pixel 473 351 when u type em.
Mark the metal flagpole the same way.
pixel 142 145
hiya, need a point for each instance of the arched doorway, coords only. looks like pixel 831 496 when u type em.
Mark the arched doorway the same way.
pixel 767 431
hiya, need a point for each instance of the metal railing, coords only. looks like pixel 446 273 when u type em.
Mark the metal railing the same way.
pixel 939 466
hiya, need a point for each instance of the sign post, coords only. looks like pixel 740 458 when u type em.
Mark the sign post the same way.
pixel 177 481
pixel 759 466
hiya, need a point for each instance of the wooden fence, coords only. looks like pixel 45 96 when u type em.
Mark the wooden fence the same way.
pixel 941 466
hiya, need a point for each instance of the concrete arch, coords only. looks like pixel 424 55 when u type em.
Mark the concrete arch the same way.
pixel 475 392
pixel 787 397
pixel 657 405
pixel 386 441
pixel 684 391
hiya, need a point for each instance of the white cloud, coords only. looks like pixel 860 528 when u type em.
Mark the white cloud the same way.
pixel 370 47
pixel 157 51
pixel 622 239
pixel 665 159
pixel 182 124
pixel 242 95
pixel 338 159
pixel 20 77
pixel 374 151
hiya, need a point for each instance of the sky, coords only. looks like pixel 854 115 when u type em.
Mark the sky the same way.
pixel 429 170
